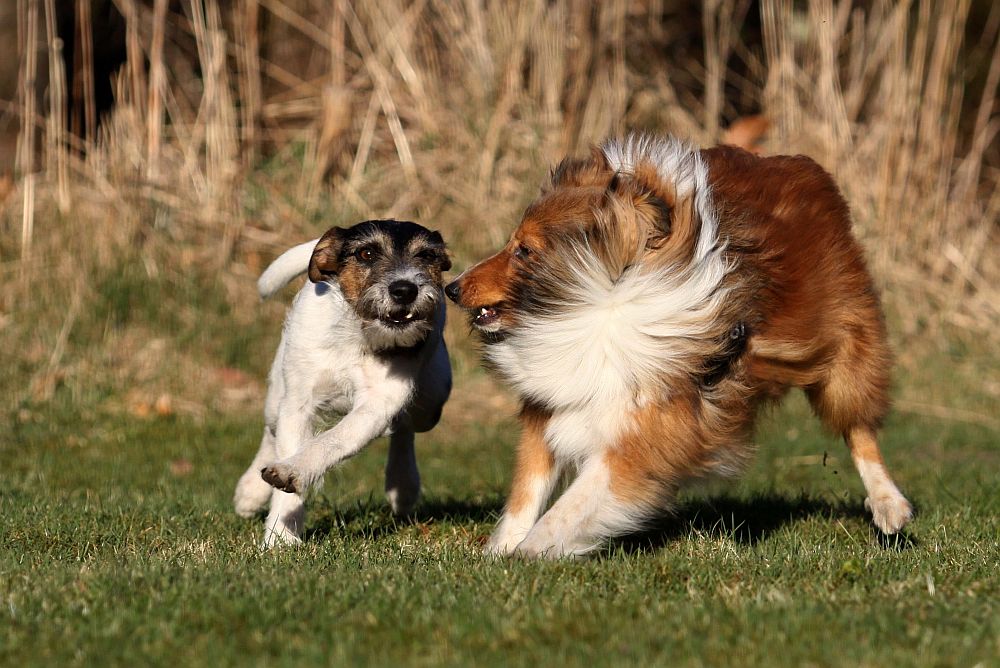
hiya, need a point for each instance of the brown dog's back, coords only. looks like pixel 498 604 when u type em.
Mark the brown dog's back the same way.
pixel 817 322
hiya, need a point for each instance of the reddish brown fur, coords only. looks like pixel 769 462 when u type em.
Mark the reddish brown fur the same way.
pixel 679 438
pixel 863 444
pixel 800 283
pixel 534 459
pixel 816 321
pixel 554 212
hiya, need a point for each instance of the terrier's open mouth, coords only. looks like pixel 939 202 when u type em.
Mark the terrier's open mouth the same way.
pixel 398 318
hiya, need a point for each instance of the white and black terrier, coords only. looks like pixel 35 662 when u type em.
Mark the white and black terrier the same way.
pixel 363 339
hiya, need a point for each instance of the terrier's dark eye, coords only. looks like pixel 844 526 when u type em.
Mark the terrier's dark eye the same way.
pixel 365 254
pixel 427 255
pixel 522 252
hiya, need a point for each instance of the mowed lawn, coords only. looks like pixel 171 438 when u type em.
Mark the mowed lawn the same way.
pixel 118 545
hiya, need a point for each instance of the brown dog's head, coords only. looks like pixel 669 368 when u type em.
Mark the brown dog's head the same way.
pixel 389 272
pixel 631 200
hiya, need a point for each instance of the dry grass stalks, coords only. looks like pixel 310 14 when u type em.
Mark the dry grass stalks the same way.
pixel 27 18
pixel 55 131
pixel 888 125
pixel 449 113
pixel 85 124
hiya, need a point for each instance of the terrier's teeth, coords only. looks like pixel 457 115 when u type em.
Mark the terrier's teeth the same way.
pixel 409 316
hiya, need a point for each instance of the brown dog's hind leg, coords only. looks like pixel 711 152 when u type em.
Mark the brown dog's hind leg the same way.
pixel 852 399
pixel 889 508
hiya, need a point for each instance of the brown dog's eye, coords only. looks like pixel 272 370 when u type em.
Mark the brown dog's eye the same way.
pixel 365 254
pixel 522 252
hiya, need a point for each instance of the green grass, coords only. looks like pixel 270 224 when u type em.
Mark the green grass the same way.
pixel 118 545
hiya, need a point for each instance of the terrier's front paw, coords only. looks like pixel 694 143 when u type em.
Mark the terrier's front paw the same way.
pixel 278 536
pixel 281 476
pixel 890 512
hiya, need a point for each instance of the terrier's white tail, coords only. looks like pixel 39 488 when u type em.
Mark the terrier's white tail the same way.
pixel 288 265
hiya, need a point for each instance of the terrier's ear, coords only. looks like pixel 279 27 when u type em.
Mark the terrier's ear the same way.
pixel 325 261
pixel 443 258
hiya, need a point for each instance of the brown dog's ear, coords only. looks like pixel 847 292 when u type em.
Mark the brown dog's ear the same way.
pixel 672 218
pixel 579 172
pixel 325 260
pixel 642 193
pixel 657 204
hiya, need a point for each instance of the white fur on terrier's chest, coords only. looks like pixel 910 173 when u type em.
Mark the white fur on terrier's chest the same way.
pixel 324 347
pixel 325 362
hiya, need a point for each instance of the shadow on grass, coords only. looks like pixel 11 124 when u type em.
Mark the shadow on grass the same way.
pixel 371 518
pixel 746 521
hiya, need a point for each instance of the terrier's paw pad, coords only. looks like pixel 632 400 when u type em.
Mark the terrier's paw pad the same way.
pixel 281 476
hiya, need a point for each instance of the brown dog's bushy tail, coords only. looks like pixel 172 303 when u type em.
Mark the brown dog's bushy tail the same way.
pixel 747 133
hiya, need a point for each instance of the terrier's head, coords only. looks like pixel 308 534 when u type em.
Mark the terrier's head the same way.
pixel 389 271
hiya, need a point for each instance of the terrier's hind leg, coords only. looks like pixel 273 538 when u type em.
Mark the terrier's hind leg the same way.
pixel 402 478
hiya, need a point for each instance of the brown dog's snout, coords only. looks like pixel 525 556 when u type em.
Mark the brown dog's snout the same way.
pixel 453 291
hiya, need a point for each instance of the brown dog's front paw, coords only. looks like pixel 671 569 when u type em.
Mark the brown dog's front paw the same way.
pixel 890 512
pixel 280 476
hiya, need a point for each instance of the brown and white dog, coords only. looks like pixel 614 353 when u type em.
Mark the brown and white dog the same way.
pixel 651 299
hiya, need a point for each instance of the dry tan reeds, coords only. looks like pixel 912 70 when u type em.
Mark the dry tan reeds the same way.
pixel 450 112
pixel 84 122
pixel 27 19
pixel 888 125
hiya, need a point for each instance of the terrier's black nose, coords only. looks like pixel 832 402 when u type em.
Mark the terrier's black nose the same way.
pixel 453 291
pixel 402 292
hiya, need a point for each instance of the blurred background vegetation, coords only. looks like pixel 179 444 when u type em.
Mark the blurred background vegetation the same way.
pixel 156 154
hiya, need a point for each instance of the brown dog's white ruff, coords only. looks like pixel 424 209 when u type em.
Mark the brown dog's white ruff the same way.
pixel 611 312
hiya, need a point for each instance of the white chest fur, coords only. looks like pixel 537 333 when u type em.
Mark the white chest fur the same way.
pixel 324 359
pixel 576 434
